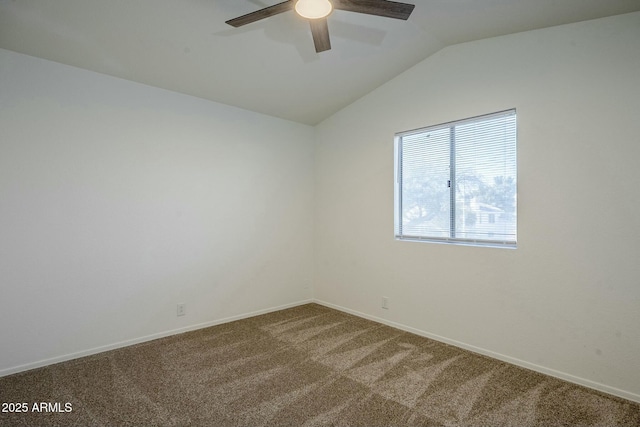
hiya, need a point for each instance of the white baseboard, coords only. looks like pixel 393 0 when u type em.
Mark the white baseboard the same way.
pixel 522 363
pixel 101 349
pixel 551 372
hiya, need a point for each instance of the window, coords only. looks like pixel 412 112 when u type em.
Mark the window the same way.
pixel 456 182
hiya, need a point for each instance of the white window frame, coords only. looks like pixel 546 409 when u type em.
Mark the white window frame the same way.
pixel 398 221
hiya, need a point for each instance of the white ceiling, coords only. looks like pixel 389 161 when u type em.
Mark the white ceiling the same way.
pixel 269 66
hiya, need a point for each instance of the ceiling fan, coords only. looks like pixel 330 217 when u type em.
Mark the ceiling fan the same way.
pixel 316 11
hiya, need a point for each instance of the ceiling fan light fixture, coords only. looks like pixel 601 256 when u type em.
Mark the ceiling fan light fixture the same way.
pixel 313 9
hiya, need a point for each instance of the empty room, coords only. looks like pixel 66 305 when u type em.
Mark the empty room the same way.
pixel 320 213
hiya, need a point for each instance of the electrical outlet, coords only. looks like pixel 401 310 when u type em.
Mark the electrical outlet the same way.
pixel 182 309
pixel 385 303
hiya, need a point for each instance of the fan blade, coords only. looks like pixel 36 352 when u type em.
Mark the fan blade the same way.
pixel 388 9
pixel 320 32
pixel 261 14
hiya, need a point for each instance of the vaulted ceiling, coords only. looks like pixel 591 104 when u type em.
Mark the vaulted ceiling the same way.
pixel 269 66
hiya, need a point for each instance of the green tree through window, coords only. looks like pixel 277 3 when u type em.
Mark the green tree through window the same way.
pixel 457 182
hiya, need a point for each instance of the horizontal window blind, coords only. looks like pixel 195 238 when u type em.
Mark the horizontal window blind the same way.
pixel 456 182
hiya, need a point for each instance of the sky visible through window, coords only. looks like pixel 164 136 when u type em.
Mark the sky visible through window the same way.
pixel 458 181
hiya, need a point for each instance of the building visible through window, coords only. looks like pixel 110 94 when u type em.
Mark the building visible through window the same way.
pixel 457 182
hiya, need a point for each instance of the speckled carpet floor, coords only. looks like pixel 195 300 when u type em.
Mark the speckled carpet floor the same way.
pixel 304 366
